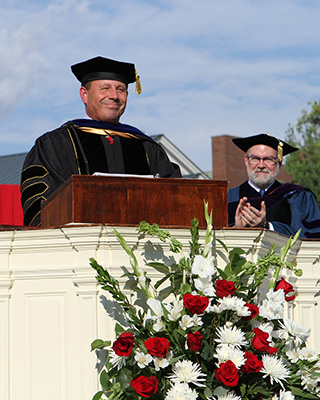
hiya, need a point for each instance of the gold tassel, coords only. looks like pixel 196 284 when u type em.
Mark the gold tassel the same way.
pixel 138 88
pixel 280 151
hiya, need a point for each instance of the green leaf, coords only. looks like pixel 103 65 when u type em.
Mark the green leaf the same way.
pixel 303 165
pixel 301 393
pixel 104 380
pixel 100 344
pixel 132 257
pixel 160 282
pixel 160 267
pixel 164 293
pixel 185 288
pixel 208 393
pixel 237 250
pixel 222 244
pixel 98 395
pixel 118 329
pixel 125 377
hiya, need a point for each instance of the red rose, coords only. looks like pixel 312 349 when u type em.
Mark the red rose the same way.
pixel 253 364
pixel 254 311
pixel 194 341
pixel 157 347
pixel 194 303
pixel 260 342
pixel 145 386
pixel 287 288
pixel 227 374
pixel 124 344
pixel 224 288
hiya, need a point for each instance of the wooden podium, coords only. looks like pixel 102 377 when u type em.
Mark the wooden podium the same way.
pixel 115 200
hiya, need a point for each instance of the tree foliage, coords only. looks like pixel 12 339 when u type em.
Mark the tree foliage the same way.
pixel 304 165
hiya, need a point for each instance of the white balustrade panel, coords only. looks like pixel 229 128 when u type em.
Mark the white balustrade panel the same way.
pixel 51 308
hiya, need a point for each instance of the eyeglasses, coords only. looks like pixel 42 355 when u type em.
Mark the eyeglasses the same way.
pixel 269 161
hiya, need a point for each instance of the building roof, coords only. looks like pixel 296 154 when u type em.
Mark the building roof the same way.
pixel 10 168
pixel 188 168
pixel 11 165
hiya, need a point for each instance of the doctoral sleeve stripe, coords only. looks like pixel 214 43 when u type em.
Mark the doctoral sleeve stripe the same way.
pixel 35 189
pixel 34 171
pixel 32 211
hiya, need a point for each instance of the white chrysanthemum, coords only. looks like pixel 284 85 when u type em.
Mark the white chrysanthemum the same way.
pixel 142 359
pixel 222 393
pixel 205 286
pixel 159 325
pixel 231 336
pixel 283 395
pixel 229 396
pixel 175 310
pixel 117 361
pixel 225 353
pixel 203 267
pixel 294 331
pixel 188 372
pixel 274 368
pixel 232 303
pixel 181 391
pixel 186 322
pixel 273 306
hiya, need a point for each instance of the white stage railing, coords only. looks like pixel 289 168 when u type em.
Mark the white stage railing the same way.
pixel 51 308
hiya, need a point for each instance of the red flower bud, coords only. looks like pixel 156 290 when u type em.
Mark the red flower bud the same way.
pixel 224 288
pixel 196 304
pixel 227 374
pixel 253 364
pixel 254 311
pixel 287 288
pixel 157 347
pixel 145 386
pixel 261 343
pixel 124 344
pixel 194 341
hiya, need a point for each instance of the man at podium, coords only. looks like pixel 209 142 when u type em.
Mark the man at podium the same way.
pixel 97 144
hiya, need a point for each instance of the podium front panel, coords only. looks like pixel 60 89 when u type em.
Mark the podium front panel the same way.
pixel 122 200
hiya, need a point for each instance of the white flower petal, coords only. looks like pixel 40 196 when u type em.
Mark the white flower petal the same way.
pixel 274 368
pixel 188 372
pixel 203 267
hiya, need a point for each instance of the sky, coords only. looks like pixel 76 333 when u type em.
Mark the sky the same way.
pixel 207 67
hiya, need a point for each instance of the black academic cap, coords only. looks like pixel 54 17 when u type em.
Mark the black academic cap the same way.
pixel 104 68
pixel 280 146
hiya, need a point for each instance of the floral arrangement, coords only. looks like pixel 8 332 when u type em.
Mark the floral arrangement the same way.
pixel 201 332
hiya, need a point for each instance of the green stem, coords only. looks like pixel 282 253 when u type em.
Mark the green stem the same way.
pixel 274 277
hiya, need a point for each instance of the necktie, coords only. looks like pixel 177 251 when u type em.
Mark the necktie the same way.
pixel 262 192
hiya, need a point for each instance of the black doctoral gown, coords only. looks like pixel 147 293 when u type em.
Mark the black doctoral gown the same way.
pixel 289 207
pixel 84 147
